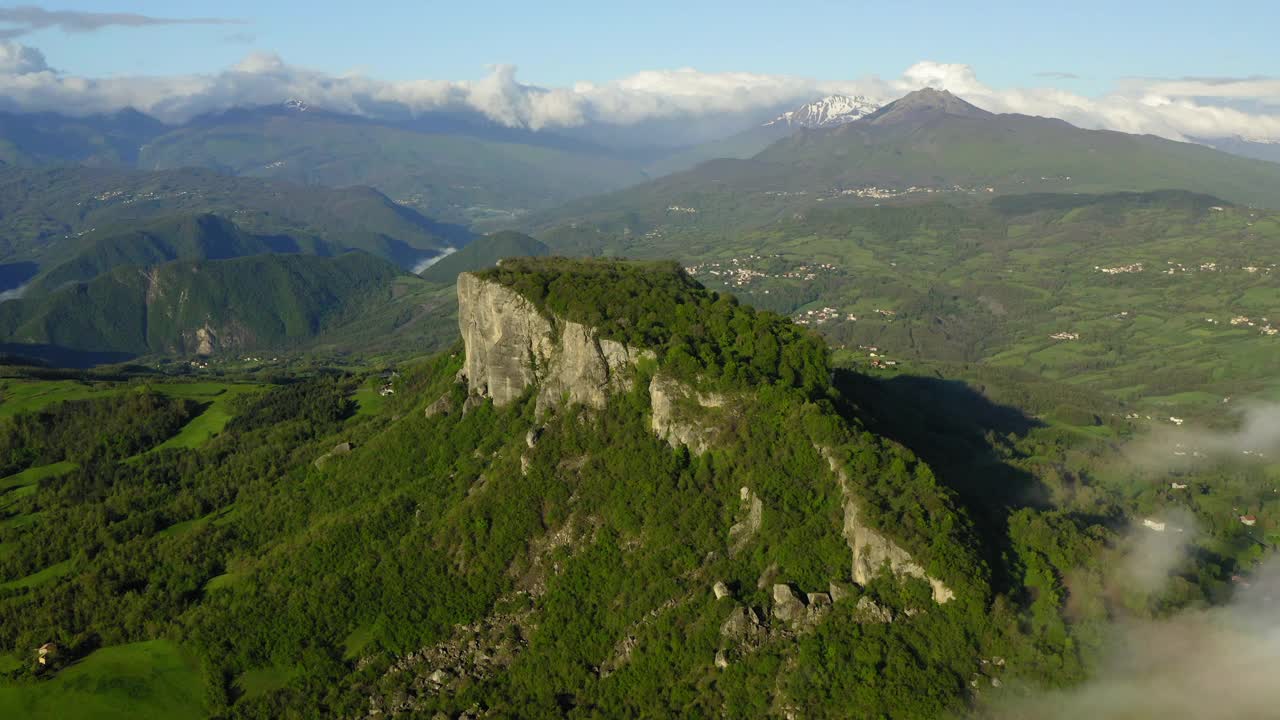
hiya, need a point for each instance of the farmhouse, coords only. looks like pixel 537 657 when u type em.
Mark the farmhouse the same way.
pixel 46 653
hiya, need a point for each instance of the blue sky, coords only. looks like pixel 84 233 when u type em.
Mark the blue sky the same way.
pixel 558 43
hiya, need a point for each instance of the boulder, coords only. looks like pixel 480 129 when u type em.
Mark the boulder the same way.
pixel 787 607
pixel 442 406
pixel 870 611
pixel 742 624
pixel 838 592
pixel 720 590
pixel 341 448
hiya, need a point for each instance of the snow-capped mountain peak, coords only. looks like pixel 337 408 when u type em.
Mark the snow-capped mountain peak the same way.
pixel 296 105
pixel 827 112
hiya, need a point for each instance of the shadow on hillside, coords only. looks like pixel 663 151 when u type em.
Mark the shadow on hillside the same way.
pixel 58 356
pixel 961 434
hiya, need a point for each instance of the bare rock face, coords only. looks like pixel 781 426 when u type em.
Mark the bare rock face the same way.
pixel 674 418
pixel 871 550
pixel 510 345
pixel 586 369
pixel 751 510
pixel 506 339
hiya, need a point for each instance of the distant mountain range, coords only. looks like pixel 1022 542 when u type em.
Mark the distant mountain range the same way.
pixel 49 217
pixel 456 166
pixel 927 142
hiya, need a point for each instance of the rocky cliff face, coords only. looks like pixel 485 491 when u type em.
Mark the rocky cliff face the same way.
pixel 510 345
pixel 677 414
pixel 872 550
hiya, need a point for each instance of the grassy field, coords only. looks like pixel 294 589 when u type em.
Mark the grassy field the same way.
pixel 52 572
pixel 261 681
pixel 25 395
pixel 368 401
pixel 32 476
pixel 22 395
pixel 141 680
pixel 218 396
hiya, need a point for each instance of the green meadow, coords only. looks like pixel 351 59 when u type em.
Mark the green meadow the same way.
pixel 152 679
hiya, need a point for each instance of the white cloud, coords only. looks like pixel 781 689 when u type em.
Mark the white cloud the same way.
pixel 1179 109
pixel 1176 109
pixel 18 59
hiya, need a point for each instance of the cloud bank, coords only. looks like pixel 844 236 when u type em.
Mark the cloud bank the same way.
pixel 1214 664
pixel 1256 438
pixel 1174 108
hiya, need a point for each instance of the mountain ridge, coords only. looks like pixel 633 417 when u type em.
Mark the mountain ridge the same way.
pixel 826 112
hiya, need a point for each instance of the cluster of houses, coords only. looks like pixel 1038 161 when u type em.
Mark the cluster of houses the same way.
pixel 818 317
pixel 1245 321
pixel 1065 336
pixel 388 385
pixel 681 209
pixel 878 359
pixel 1119 269
pixel 1176 267
pixel 738 272
pixel 809 272
pixel 125 199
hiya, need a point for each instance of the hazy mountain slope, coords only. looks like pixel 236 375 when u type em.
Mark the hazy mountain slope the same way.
pixel 458 176
pixel 45 213
pixel 202 306
pixel 97 140
pixel 194 237
pixel 482 253
pixel 1269 151
pixel 831 111
pixel 742 145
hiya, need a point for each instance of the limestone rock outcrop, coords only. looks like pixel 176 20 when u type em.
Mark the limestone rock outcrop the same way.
pixel 751 510
pixel 511 345
pixel 871 550
pixel 677 414
pixel 506 339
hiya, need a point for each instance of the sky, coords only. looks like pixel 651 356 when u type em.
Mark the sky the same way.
pixel 1074 59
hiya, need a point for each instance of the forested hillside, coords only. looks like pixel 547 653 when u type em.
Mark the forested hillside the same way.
pixel 667 509
pixel 47 216
pixel 214 307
